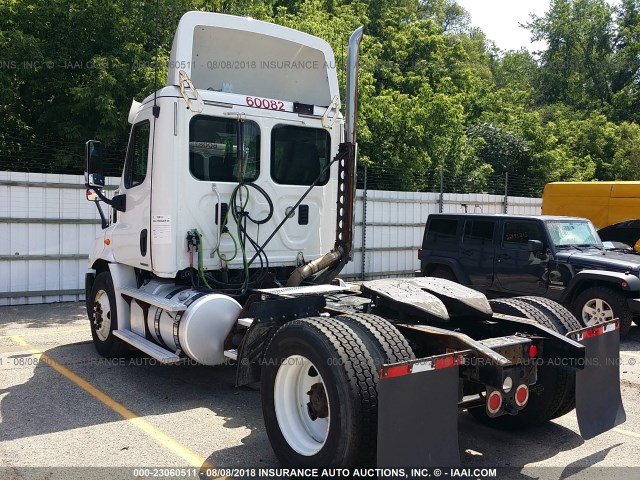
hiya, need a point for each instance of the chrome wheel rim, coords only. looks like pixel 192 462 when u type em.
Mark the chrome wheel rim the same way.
pixel 101 315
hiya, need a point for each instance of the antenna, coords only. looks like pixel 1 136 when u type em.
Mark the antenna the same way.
pixel 156 108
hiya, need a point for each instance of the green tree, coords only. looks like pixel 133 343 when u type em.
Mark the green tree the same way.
pixel 626 160
pixel 625 81
pixel 577 63
pixel 450 16
pixel 435 93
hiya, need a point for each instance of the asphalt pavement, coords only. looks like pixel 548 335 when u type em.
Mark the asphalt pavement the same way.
pixel 64 410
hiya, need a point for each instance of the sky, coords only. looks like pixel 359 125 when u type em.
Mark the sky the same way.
pixel 499 20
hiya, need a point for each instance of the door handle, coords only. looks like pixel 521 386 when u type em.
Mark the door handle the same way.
pixel 503 256
pixel 143 242
pixel 467 252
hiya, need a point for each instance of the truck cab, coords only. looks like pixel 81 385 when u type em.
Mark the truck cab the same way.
pixel 245 102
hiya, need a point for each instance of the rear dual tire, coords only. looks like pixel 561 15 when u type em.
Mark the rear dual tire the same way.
pixel 557 396
pixel 563 321
pixel 319 388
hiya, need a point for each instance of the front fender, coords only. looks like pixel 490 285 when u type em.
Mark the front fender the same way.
pixel 268 316
pixel 616 278
pixel 100 250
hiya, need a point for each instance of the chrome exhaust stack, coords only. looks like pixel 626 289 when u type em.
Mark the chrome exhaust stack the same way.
pixel 332 262
pixel 353 54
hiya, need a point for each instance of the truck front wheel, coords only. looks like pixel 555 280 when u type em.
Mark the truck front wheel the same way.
pixel 319 397
pixel 104 317
pixel 597 304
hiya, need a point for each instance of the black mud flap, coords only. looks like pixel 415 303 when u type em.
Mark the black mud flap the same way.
pixel 418 413
pixel 598 401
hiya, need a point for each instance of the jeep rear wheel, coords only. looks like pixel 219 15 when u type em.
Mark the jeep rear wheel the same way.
pixel 443 272
pixel 598 304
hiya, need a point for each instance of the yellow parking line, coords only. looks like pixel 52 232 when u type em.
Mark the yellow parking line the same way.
pixel 52 332
pixel 160 437
pixel 629 433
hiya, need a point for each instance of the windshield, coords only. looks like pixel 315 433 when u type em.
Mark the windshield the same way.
pixel 573 233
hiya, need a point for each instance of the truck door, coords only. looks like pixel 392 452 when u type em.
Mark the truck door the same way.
pixel 477 251
pixel 130 236
pixel 517 270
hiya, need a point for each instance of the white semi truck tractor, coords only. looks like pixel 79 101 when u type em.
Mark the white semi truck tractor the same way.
pixel 224 241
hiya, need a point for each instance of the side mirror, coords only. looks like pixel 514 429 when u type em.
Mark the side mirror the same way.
pixel 94 180
pixel 93 171
pixel 535 246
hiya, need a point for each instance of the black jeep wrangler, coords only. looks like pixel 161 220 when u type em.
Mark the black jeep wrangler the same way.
pixel 561 258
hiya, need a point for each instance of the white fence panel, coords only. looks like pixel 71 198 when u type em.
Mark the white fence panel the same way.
pixel 395 224
pixel 46 229
pixel 47 226
pixel 525 206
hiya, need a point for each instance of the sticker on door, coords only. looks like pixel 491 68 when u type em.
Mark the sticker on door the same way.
pixel 161 229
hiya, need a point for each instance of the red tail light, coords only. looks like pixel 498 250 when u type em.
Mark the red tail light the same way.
pixel 494 402
pixel 522 395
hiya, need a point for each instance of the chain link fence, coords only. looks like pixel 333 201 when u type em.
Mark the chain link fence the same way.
pixel 441 180
pixel 57 157
pixel 54 157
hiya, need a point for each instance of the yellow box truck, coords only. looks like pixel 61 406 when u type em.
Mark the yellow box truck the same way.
pixel 613 207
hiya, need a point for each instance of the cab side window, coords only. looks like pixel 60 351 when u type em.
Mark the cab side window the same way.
pixel 135 169
pixel 478 233
pixel 442 230
pixel 517 234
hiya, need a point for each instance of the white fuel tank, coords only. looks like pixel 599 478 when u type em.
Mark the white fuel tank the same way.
pixel 200 330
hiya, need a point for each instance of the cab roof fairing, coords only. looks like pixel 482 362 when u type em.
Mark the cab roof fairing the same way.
pixel 264 59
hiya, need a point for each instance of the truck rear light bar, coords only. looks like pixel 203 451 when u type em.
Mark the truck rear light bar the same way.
pixel 436 362
pixel 595 330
